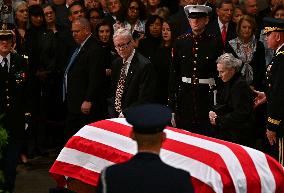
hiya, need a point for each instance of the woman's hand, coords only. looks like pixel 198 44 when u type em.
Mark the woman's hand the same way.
pixel 212 117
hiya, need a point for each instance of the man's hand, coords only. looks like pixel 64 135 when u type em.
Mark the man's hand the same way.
pixel 86 107
pixel 271 136
pixel 212 117
pixel 259 99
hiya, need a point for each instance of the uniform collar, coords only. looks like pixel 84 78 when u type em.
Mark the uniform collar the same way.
pixel 8 58
pixel 279 48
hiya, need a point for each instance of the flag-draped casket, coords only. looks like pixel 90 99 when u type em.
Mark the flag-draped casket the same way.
pixel 215 165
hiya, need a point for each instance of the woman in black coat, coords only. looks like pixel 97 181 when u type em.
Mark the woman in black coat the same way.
pixel 153 37
pixel 233 115
pixel 104 32
pixel 162 60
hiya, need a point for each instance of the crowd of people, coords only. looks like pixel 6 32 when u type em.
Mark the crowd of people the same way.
pixel 88 60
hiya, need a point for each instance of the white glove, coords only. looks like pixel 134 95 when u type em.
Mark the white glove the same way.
pixel 173 120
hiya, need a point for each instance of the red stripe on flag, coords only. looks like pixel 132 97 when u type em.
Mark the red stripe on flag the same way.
pixel 277 171
pixel 113 127
pixel 207 157
pixel 202 187
pixel 250 171
pixel 76 172
pixel 98 149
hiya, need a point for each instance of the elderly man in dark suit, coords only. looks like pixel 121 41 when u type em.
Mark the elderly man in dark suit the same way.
pixel 145 171
pixel 133 76
pixel 84 79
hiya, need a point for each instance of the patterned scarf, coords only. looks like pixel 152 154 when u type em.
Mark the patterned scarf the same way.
pixel 245 53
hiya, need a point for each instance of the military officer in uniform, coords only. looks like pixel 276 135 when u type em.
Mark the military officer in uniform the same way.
pixel 145 172
pixel 274 95
pixel 13 88
pixel 192 81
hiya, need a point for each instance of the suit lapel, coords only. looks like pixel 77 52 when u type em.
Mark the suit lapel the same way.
pixel 130 72
pixel 83 49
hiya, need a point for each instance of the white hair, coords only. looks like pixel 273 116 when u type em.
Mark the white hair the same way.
pixel 229 61
pixel 17 4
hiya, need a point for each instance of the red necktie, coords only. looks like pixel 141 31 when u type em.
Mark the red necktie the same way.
pixel 224 34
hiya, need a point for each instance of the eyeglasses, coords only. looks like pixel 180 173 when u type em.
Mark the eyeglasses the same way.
pixel 122 46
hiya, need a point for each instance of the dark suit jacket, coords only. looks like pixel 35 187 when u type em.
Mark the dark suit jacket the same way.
pixel 86 79
pixel 214 29
pixel 139 86
pixel 145 173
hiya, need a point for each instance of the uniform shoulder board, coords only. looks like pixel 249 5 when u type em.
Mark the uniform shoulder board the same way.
pixel 184 36
pixel 281 52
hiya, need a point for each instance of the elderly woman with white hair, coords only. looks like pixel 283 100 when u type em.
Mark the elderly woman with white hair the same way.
pixel 233 115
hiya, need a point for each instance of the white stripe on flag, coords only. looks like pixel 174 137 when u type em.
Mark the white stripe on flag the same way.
pixel 208 175
pixel 109 138
pixel 235 169
pixel 266 177
pixel 230 159
pixel 84 160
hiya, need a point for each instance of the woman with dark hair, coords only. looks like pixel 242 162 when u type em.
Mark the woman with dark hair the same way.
pixel 162 61
pixel 278 11
pixel 153 37
pixel 152 6
pixel 132 17
pixel 104 33
pixel 94 16
pixel 34 35
pixel 49 70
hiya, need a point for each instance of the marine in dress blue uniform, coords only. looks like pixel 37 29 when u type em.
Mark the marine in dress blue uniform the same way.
pixel 145 172
pixel 194 71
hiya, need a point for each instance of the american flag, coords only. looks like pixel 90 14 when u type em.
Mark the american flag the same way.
pixel 215 165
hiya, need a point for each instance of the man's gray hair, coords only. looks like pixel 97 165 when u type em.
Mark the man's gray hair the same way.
pixel 229 61
pixel 122 32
